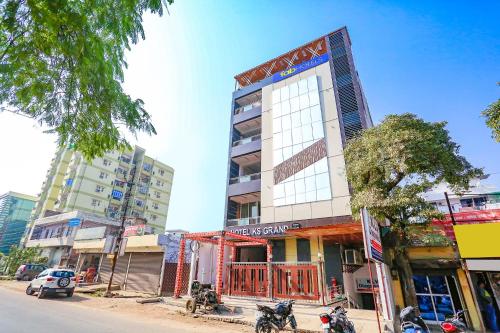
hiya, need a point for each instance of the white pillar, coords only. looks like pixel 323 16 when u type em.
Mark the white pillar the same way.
pixel 385 291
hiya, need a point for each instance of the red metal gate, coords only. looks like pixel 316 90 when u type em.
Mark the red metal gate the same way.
pixel 247 279
pixel 296 281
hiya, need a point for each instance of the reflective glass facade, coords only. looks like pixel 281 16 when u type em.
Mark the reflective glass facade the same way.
pixel 15 211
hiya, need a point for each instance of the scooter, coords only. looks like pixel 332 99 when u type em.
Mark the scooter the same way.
pixel 455 324
pixel 411 323
pixel 336 321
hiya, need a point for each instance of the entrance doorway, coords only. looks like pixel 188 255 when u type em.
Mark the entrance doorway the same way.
pixel 437 296
pixel 251 254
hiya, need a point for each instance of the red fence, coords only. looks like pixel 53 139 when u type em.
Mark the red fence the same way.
pixel 289 281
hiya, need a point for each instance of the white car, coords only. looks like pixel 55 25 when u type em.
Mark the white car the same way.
pixel 53 281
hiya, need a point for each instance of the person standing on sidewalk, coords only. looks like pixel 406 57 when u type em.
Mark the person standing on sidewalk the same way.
pixel 486 303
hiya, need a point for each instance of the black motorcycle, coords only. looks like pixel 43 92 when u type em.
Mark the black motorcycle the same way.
pixel 276 319
pixel 455 324
pixel 336 321
pixel 411 323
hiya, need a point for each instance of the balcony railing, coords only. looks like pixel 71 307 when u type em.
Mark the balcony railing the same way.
pixel 244 179
pixel 243 221
pixel 247 107
pixel 246 140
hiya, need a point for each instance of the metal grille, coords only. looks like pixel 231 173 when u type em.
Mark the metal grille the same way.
pixel 351 119
pixel 169 274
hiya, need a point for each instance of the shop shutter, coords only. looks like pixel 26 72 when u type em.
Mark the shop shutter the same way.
pixel 120 269
pixel 144 272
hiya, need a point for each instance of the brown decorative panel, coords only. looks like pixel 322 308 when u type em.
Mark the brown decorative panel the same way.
pixel 300 161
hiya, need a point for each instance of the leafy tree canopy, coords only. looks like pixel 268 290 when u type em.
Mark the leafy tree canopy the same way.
pixel 61 63
pixel 390 165
pixel 18 256
pixel 492 114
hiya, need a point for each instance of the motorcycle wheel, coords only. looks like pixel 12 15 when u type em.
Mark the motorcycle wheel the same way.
pixel 293 323
pixel 262 326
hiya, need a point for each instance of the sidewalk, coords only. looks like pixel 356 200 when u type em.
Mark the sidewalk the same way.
pixel 307 316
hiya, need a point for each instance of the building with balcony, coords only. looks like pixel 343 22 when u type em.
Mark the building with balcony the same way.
pixel 15 211
pixel 103 186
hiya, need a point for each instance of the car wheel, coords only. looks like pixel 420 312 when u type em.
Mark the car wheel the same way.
pixel 26 278
pixel 41 293
pixel 29 290
pixel 70 293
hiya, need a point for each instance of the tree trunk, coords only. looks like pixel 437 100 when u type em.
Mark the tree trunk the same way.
pixel 406 275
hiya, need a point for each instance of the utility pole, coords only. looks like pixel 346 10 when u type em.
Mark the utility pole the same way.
pixel 449 208
pixel 119 239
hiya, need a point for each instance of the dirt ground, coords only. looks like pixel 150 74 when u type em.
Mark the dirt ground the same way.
pixel 129 306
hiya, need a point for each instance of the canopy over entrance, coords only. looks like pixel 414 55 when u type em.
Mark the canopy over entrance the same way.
pixel 344 233
pixel 221 239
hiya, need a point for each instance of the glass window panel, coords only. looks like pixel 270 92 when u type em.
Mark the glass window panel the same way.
pixel 296 135
pixel 296 119
pixel 323 194
pixel 312 83
pixel 277 110
pixel 443 306
pixel 276 96
pixel 297 149
pixel 304 101
pixel 277 125
pixel 316 113
pixel 290 200
pixel 294 104
pixel 300 186
pixel 309 171
pixel 278 140
pixel 284 93
pixel 287 138
pixel 305 116
pixel 426 308
pixel 438 284
pixel 317 129
pixel 289 189
pixel 286 122
pixel 294 89
pixel 287 153
pixel 310 184
pixel 277 156
pixel 313 98
pixel 311 196
pixel 279 202
pixel 300 174
pixel 322 181
pixel 321 166
pixel 300 197
pixel 307 144
pixel 285 108
pixel 307 133
pixel 421 285
pixel 303 87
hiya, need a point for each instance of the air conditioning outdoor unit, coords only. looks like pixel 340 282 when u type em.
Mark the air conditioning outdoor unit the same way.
pixel 353 257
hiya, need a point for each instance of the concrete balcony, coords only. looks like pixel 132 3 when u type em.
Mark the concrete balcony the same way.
pixel 244 185
pixel 51 242
pixel 246 146
pixel 243 116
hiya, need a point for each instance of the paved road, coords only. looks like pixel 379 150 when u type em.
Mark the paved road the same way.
pixel 21 313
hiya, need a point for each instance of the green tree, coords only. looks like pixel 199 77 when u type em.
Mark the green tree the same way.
pixel 61 63
pixel 18 256
pixel 389 166
pixel 492 115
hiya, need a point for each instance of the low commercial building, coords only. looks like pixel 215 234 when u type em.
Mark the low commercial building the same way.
pixel 15 211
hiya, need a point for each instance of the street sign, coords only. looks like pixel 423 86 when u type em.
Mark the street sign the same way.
pixel 371 236
pixel 74 222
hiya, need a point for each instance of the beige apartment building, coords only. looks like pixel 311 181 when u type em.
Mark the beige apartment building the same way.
pixel 104 186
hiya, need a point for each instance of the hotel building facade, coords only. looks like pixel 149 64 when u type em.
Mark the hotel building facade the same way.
pixel 291 118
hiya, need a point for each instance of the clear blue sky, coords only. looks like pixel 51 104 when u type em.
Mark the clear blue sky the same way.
pixel 438 59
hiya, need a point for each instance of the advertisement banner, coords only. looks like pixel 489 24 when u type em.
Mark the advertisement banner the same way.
pixel 371 236
pixel 364 286
pixel 300 67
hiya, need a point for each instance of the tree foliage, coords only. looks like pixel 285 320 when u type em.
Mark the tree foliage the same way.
pixel 492 114
pixel 18 256
pixel 61 63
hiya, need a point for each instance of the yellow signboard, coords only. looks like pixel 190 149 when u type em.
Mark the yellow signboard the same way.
pixel 478 240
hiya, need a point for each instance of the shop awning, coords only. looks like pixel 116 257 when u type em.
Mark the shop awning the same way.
pixel 341 233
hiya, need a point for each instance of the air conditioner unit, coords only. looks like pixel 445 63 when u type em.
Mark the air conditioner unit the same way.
pixel 353 257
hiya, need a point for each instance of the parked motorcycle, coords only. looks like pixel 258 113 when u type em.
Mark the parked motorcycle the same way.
pixel 455 324
pixel 336 321
pixel 411 323
pixel 276 319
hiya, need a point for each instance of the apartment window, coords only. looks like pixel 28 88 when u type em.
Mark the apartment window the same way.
pixel 154 217
pixel 157 194
pixel 96 203
pixel 99 188
pixel 69 181
pixel 106 162
pixel 103 175
pixel 143 189
pixel 155 205
pixel 147 167
pixel 161 172
pixel 159 183
pixel 139 203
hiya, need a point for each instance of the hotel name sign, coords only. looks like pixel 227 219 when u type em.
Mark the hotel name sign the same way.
pixel 300 67
pixel 261 230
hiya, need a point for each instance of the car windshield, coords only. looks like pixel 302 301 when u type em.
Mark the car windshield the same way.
pixel 63 274
pixel 45 272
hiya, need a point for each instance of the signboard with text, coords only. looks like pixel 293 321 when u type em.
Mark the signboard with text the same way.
pixel 260 230
pixel 371 235
pixel 364 286
pixel 75 222
pixel 300 67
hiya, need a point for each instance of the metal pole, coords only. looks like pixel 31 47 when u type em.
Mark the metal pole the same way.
pixel 374 295
pixel 449 208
